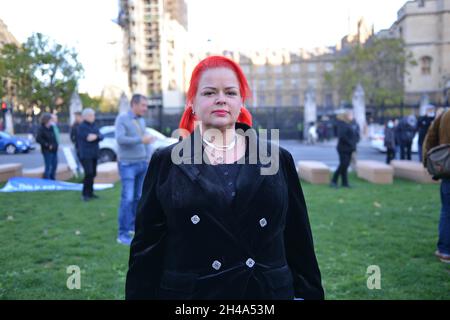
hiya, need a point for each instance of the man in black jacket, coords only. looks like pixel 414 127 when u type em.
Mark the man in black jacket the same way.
pixel 88 137
pixel 73 137
pixel 406 131
pixel 348 135
pixel 49 146
pixel 423 124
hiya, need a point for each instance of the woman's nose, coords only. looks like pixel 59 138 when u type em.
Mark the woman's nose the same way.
pixel 220 98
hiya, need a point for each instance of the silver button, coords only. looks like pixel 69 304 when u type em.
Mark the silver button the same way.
pixel 216 265
pixel 233 194
pixel 195 219
pixel 250 262
pixel 263 222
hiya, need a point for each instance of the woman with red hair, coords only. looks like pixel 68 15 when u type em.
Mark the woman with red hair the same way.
pixel 210 224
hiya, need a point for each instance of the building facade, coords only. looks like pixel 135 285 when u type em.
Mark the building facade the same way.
pixel 424 26
pixel 154 46
pixel 282 78
pixel 6 36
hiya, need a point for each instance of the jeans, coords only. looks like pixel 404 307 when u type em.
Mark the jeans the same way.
pixel 132 176
pixel 344 163
pixel 90 171
pixel 51 163
pixel 444 221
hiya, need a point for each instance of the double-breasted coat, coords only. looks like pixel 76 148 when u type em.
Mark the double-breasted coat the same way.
pixel 191 244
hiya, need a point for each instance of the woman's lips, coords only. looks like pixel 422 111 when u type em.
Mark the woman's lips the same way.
pixel 220 112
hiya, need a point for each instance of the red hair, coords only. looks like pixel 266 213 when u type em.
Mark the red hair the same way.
pixel 212 62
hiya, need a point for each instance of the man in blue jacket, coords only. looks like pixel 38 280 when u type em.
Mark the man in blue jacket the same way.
pixel 88 137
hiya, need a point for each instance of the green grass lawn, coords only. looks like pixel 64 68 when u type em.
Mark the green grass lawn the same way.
pixel 393 227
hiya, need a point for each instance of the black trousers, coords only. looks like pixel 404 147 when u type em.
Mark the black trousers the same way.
pixel 390 155
pixel 90 171
pixel 344 163
pixel 405 150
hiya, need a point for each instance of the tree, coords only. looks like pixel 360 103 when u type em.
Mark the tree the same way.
pixel 90 102
pixel 43 72
pixel 16 68
pixel 56 71
pixel 379 66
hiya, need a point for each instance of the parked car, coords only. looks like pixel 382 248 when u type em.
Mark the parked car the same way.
pixel 11 144
pixel 377 142
pixel 108 146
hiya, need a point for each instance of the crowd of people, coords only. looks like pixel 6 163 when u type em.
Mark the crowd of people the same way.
pixel 399 134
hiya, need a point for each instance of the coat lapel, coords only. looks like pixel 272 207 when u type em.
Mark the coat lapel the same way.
pixel 248 181
pixel 193 165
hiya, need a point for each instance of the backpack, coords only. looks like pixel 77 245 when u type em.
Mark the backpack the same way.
pixel 438 160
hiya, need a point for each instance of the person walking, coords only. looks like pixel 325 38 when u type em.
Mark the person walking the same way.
pixel 348 137
pixel 88 138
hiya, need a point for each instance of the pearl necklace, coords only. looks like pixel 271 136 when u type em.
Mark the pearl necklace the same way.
pixel 222 148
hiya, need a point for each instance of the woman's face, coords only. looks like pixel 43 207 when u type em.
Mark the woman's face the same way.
pixel 218 100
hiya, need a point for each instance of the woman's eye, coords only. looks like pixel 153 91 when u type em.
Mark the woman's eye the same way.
pixel 232 93
pixel 208 93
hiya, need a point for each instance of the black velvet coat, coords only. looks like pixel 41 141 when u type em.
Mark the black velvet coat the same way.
pixel 189 244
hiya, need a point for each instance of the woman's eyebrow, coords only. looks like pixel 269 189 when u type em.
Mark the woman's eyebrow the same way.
pixel 214 88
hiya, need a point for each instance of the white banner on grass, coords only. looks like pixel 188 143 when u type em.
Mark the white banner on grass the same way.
pixel 21 184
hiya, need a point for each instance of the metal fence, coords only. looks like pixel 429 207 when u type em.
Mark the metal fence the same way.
pixel 289 120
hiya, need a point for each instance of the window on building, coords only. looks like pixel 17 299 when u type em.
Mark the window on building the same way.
pixel 278 99
pixel 426 65
pixel 262 84
pixel 261 100
pixel 278 69
pixel 312 67
pixel 295 68
pixel 329 67
pixel 295 83
pixel 261 69
pixel 421 3
pixel 278 84
pixel 246 69
pixel 295 100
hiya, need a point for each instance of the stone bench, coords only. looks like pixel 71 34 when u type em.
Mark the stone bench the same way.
pixel 411 170
pixel 374 171
pixel 63 172
pixel 10 170
pixel 314 172
pixel 107 172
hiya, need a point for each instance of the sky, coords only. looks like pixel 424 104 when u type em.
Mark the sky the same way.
pixel 87 25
